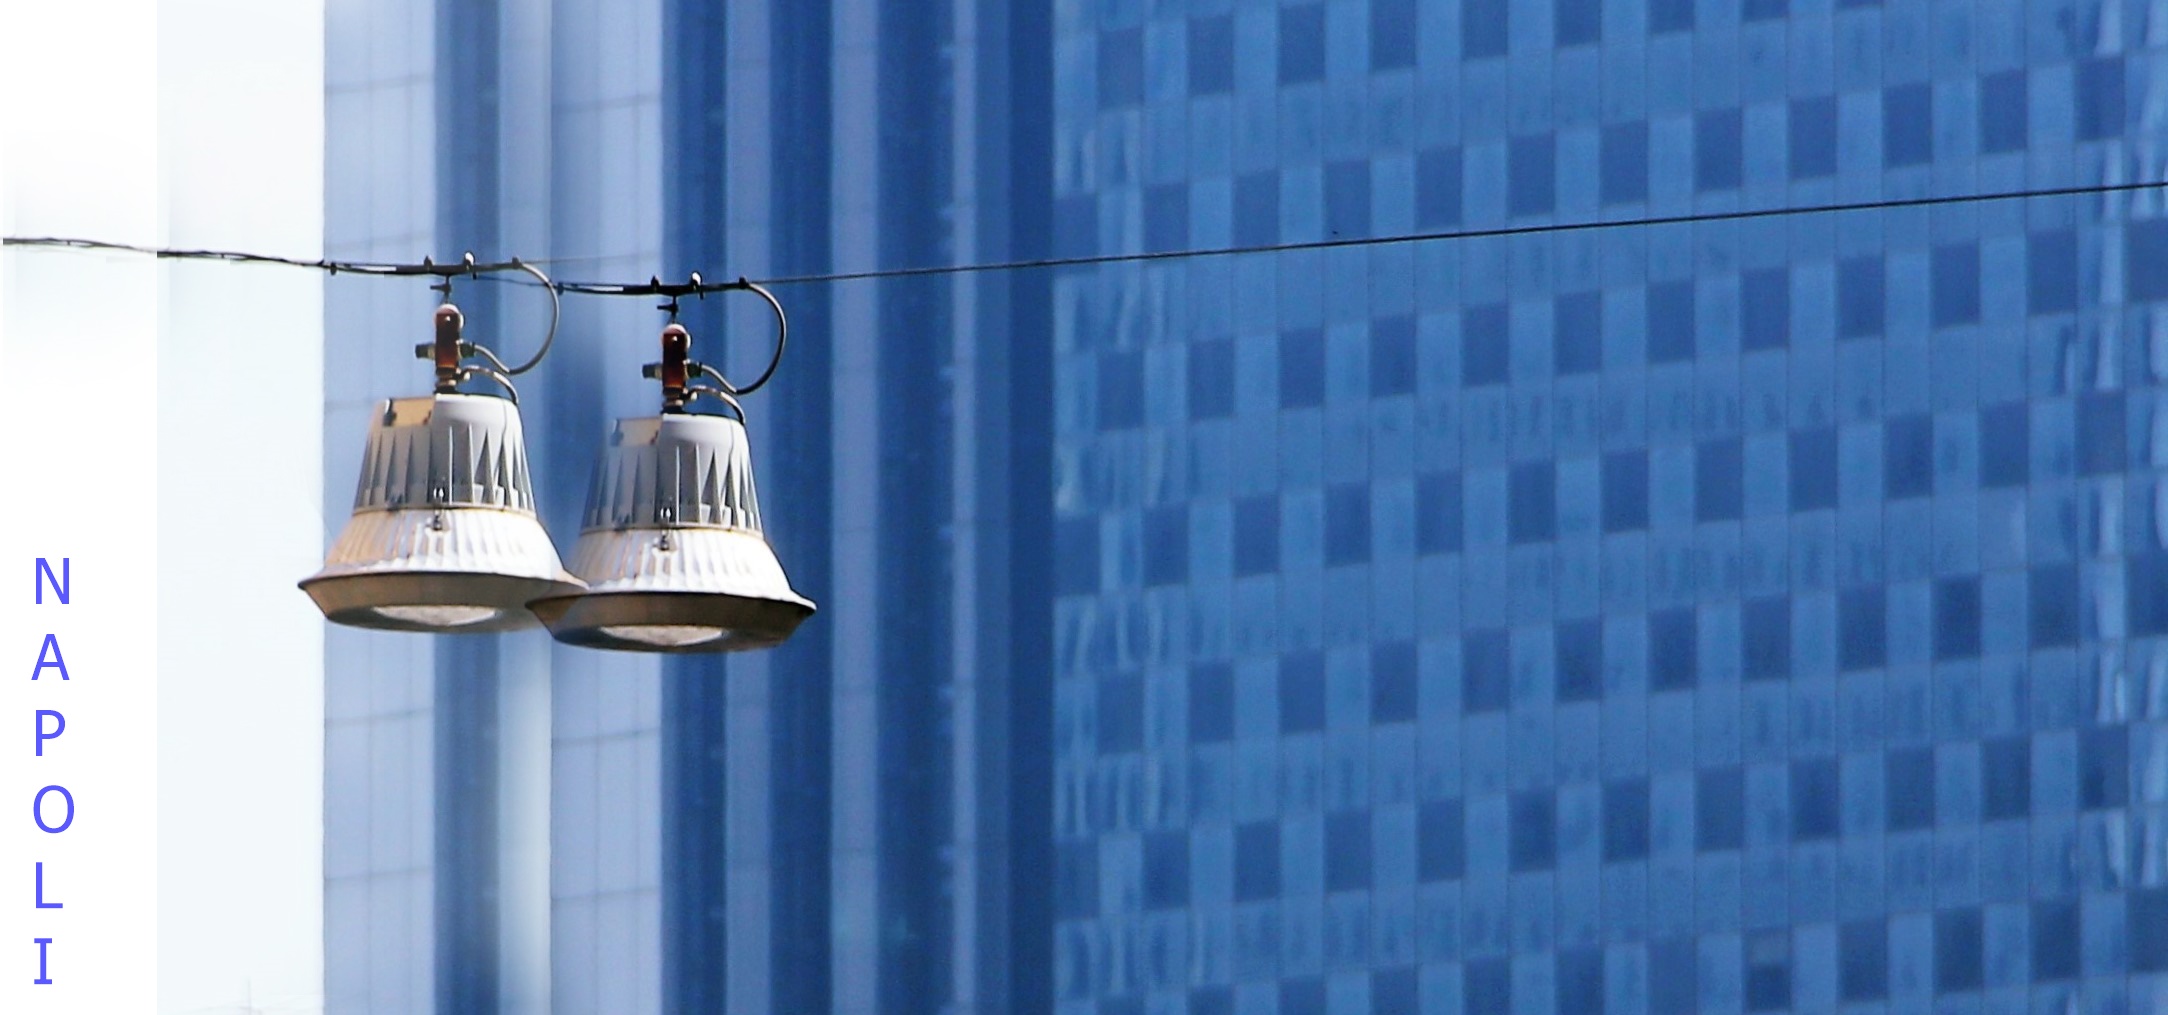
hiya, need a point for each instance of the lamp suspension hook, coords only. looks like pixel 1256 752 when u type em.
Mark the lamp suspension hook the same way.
pixel 495 368
pixel 443 284
pixel 669 305
pixel 782 335
pixel 556 314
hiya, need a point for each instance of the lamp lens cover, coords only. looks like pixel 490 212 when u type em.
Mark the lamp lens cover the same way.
pixel 440 616
pixel 666 635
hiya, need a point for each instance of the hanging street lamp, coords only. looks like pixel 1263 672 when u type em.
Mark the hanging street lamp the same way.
pixel 671 547
pixel 444 536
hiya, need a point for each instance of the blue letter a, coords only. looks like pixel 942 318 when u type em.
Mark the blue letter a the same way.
pixel 49 658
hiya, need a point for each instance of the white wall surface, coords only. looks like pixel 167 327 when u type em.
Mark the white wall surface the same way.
pixel 240 415
pixel 78 354
pixel 159 426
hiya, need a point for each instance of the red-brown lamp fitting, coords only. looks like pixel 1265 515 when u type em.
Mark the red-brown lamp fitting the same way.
pixel 677 344
pixel 447 356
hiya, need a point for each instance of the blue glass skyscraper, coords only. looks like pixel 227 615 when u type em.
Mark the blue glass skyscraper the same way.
pixel 1734 616
pixel 857 821
pixel 1748 616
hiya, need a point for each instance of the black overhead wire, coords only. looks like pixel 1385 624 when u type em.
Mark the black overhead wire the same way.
pixel 468 266
pixel 695 286
pixel 1343 242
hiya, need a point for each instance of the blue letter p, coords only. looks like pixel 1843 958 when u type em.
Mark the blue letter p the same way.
pixel 59 723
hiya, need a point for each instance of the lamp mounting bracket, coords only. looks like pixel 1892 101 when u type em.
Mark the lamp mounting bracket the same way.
pixel 672 292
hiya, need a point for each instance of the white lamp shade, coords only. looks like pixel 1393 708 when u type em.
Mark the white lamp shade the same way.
pixel 444 536
pixel 672 549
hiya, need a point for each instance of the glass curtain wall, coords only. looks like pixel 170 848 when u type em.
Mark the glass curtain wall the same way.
pixel 1747 616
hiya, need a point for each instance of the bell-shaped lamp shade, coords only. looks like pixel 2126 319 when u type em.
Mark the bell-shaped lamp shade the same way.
pixel 671 547
pixel 444 536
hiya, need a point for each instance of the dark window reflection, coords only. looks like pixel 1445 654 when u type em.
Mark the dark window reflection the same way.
pixel 1860 299
pixel 1483 28
pixel 1625 158
pixel 1211 703
pixel 1765 638
pixel 1441 841
pixel 1393 682
pixel 1958 947
pixel 1674 656
pixel 1626 820
pixel 2055 936
pixel 1257 535
pixel 1671 321
pixel 1814 799
pixel 1392 34
pixel 1257 860
pixel 1302 692
pixel 1813 137
pixel 1625 491
pixel 1302 44
pixel 1533 832
pixel 1211 54
pixel 1671 15
pixel 2006 778
pixel 1486 671
pixel 1577 330
pixel 1579 653
pixel 2004 116
pixel 1577 22
pixel 1863 960
pixel 1484 349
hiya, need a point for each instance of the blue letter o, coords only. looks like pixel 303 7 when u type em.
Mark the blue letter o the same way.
pixel 37 809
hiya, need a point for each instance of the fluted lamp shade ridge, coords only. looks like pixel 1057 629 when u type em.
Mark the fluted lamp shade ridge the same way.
pixel 444 535
pixel 671 546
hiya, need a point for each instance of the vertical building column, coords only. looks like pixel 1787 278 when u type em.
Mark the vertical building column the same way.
pixel 524 706
pixel 980 632
pixel 858 911
pixel 699 929
pixel 606 203
pixel 746 740
pixel 464 744
pixel 740 335
pixel 379 703
pixel 1002 499
pixel 465 718
pixel 1017 331
pixel 977 517
pixel 797 466
pixel 522 911
pixel 915 323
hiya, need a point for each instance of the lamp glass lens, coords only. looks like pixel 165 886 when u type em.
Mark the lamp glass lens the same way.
pixel 666 635
pixel 440 616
